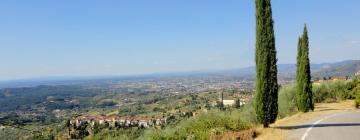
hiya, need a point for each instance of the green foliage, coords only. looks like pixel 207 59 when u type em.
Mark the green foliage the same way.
pixel 287 101
pixel 334 91
pixel 266 69
pixel 96 128
pixel 121 134
pixel 9 133
pixel 303 77
pixel 24 98
pixel 80 132
pixel 356 91
pixel 204 125
pixel 357 100
pixel 45 135
pixel 323 93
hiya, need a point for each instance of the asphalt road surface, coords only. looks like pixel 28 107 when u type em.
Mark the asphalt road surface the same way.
pixel 338 126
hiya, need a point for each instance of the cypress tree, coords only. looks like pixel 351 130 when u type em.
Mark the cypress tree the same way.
pixel 303 75
pixel 298 59
pixel 266 95
pixel 68 126
pixel 237 103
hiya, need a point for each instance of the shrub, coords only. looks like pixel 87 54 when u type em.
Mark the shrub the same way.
pixel 356 91
pixel 205 125
pixel 334 91
pixel 323 93
pixel 287 101
pixel 357 101
pixel 122 134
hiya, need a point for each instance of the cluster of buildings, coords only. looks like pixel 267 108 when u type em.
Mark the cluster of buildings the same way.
pixel 117 121
pixel 358 73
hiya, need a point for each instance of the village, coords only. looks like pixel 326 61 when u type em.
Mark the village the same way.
pixel 117 121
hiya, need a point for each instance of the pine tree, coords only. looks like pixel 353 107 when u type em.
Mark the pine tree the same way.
pixel 303 75
pixel 266 106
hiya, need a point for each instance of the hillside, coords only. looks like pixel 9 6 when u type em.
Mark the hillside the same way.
pixel 344 68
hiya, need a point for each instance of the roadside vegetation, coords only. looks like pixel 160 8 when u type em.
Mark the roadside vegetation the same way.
pixel 337 90
pixel 218 122
pixel 325 92
pixel 207 124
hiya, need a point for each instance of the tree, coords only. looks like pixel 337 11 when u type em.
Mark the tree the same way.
pixel 266 106
pixel 68 126
pixel 237 103
pixel 304 96
pixel 220 103
pixel 96 128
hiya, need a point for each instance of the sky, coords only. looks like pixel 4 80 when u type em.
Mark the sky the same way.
pixel 42 38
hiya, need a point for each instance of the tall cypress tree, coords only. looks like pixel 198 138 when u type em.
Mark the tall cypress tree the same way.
pixel 303 75
pixel 298 59
pixel 266 95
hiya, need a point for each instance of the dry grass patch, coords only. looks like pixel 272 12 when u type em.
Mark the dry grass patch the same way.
pixel 250 134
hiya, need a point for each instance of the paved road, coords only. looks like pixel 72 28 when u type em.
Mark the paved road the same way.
pixel 339 126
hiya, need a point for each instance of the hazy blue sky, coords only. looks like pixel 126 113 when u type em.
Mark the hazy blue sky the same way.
pixel 40 38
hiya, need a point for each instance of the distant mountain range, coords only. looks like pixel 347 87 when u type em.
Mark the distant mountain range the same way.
pixel 285 72
pixel 343 68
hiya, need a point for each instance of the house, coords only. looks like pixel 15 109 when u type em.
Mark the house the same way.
pixel 143 123
pixel 336 78
pixel 117 121
pixel 2 127
pixel 228 102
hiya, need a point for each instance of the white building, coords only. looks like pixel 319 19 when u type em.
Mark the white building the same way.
pixel 228 102
pixel 232 102
pixel 2 127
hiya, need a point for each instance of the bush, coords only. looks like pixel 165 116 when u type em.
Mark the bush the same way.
pixel 205 125
pixel 357 101
pixel 323 93
pixel 287 101
pixel 334 91
pixel 357 97
pixel 121 134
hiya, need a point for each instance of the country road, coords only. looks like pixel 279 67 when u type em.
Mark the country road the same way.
pixel 338 126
